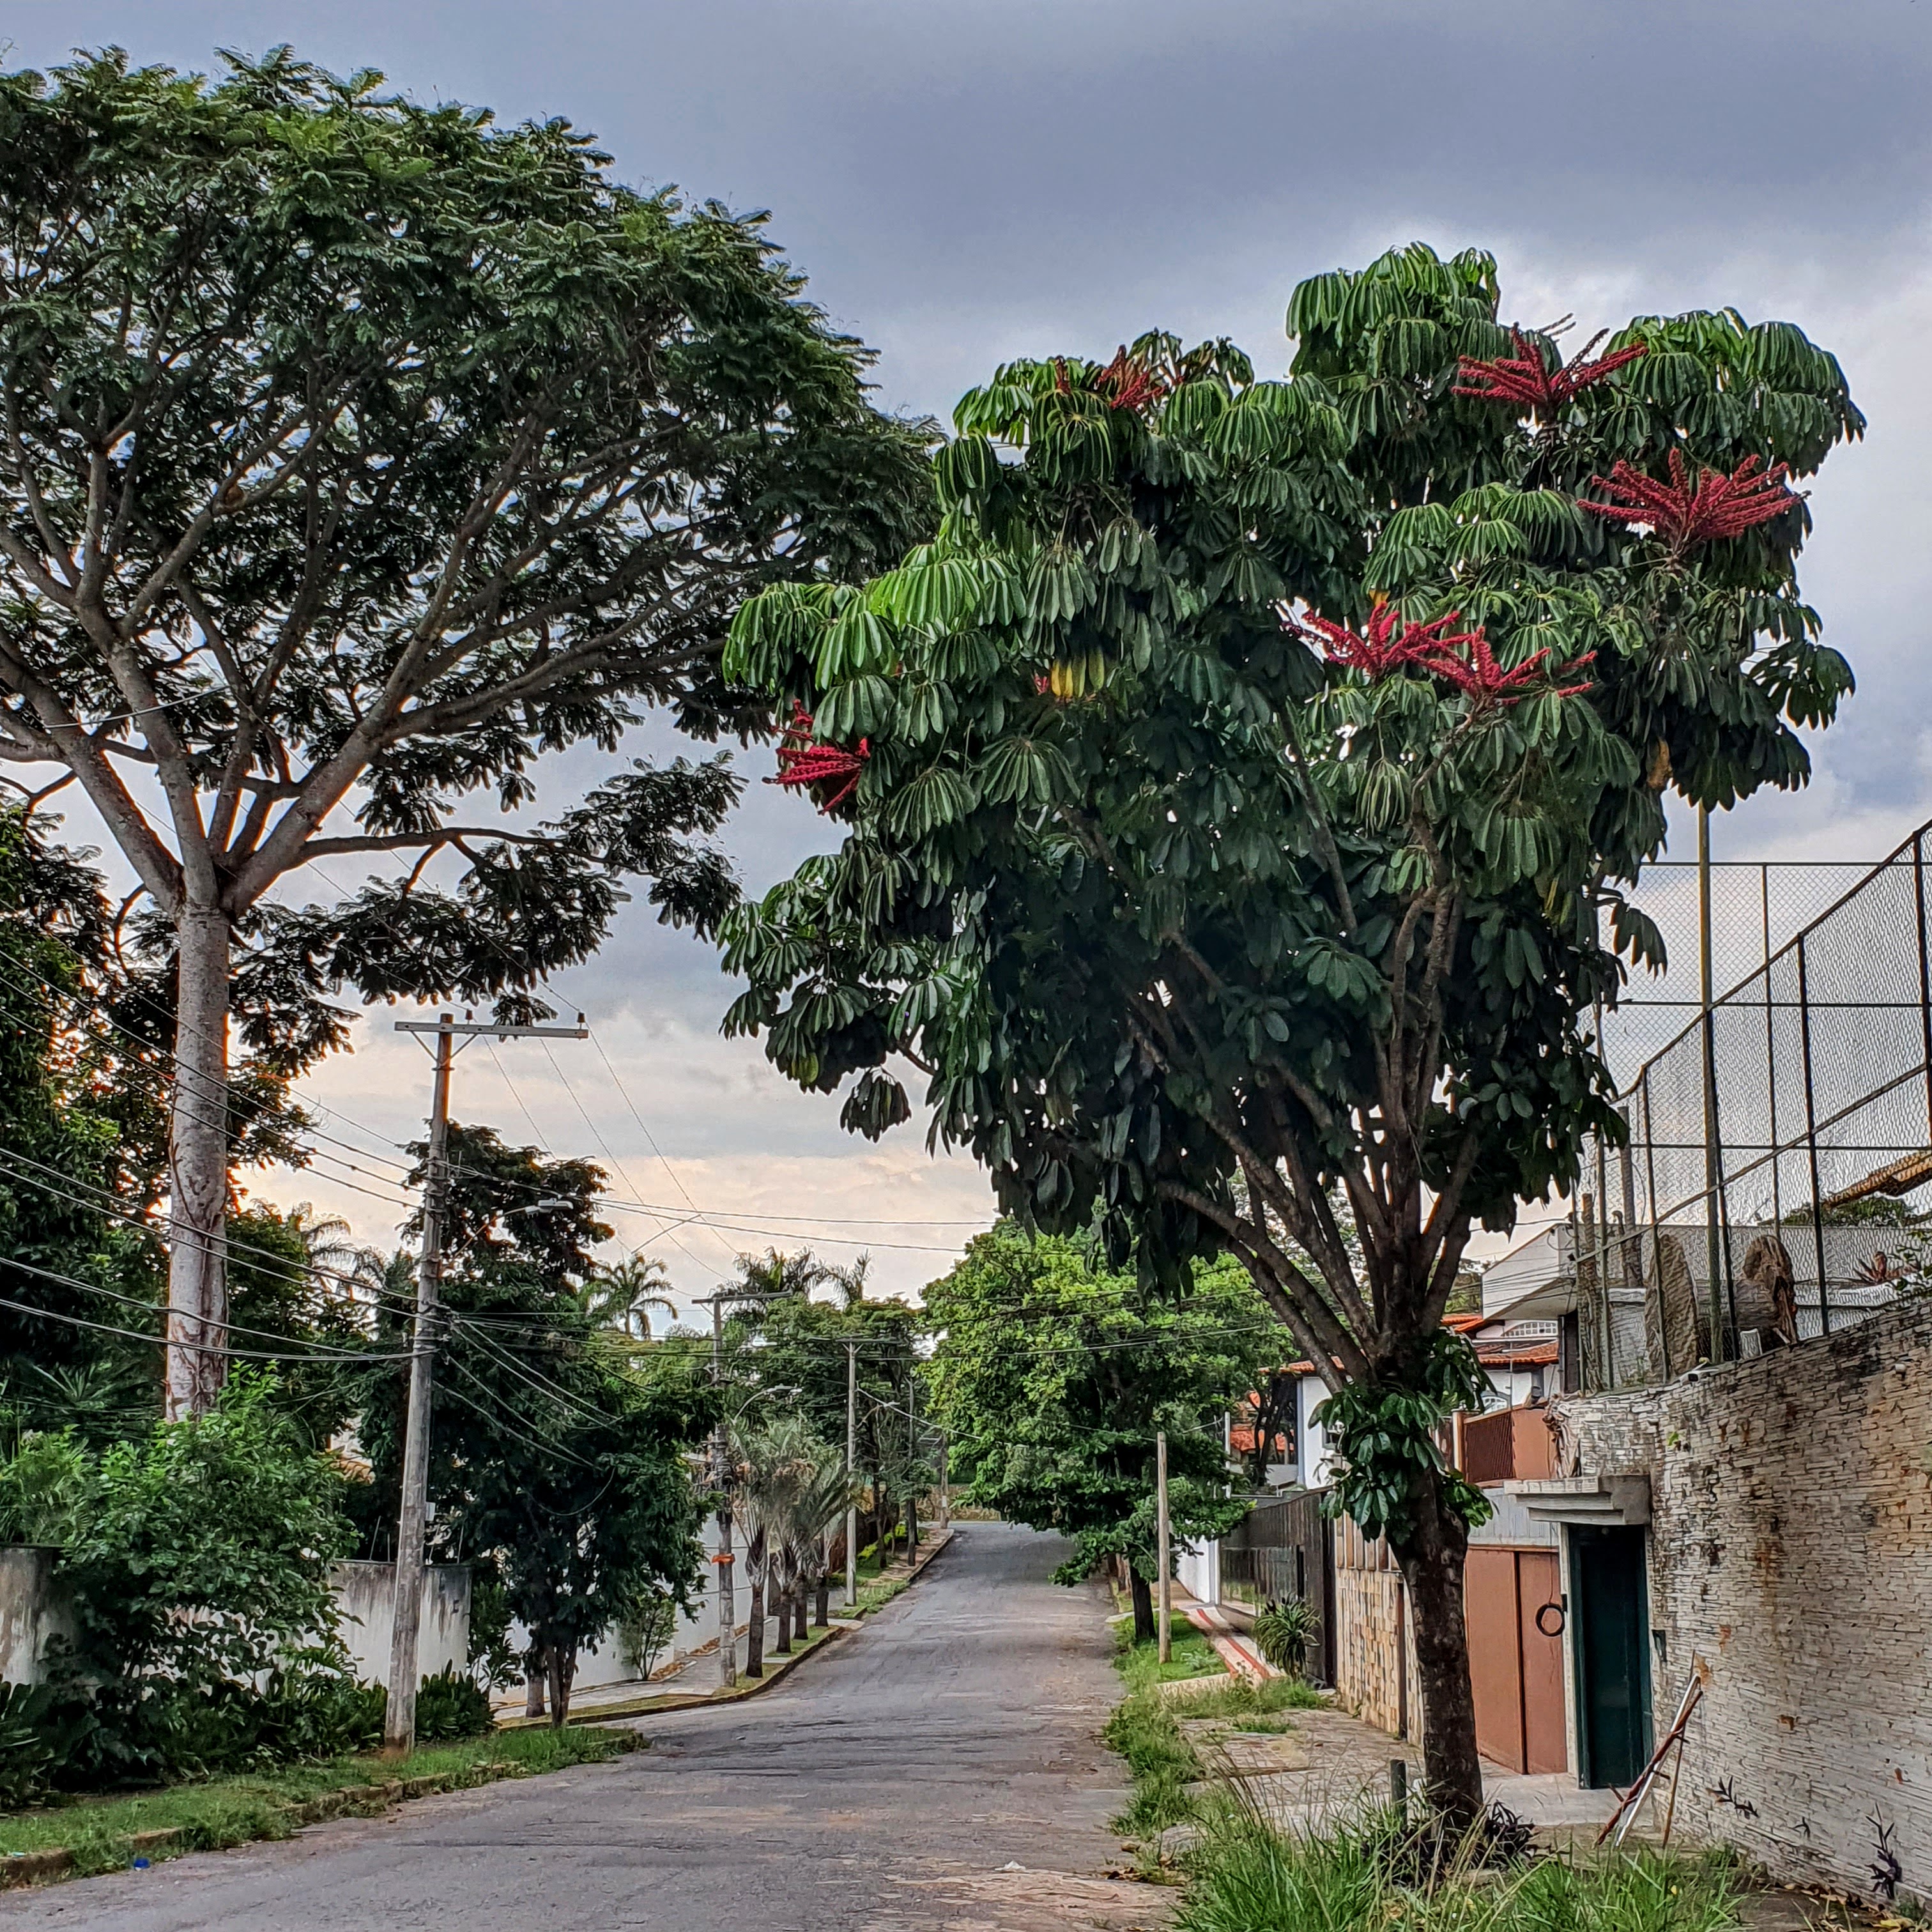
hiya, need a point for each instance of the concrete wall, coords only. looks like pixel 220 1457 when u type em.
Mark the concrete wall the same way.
pixel 365 1593
pixel 33 1608
pixel 1790 1553
pixel 31 1611
pixel 1197 1569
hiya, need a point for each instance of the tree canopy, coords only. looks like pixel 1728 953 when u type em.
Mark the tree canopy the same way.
pixel 1244 784
pixel 358 454
pixel 1053 1378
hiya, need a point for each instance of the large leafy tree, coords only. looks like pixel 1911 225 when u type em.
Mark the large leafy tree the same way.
pixel 1054 1377
pixel 1242 788
pixel 354 454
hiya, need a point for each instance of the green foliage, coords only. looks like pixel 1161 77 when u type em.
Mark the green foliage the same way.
pixel 202 1557
pixel 1244 1876
pixel 558 1447
pixel 1053 1378
pixel 450 1704
pixel 26 1756
pixel 47 1490
pixel 1160 1760
pixel 1283 1632
pixel 435 449
pixel 644 1632
pixel 1382 1438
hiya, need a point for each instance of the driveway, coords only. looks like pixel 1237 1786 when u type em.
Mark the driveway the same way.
pixel 940 1767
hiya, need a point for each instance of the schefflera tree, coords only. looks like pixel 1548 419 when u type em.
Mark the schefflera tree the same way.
pixel 1243 790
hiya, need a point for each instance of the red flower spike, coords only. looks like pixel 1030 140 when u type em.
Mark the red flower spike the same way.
pixel 1475 673
pixel 1389 644
pixel 803 762
pixel 1522 379
pixel 1716 506
pixel 1128 384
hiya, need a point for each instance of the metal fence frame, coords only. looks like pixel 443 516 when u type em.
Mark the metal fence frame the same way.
pixel 1804 1089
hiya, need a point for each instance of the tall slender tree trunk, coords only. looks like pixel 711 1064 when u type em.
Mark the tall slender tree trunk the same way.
pixel 822 1610
pixel 562 1670
pixel 754 1634
pixel 198 1168
pixel 533 1686
pixel 781 1575
pixel 801 1610
pixel 1431 1557
pixel 1144 1631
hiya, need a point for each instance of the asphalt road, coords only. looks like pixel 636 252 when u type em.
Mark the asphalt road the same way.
pixel 940 1767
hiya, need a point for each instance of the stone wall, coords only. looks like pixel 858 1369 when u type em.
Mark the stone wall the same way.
pixel 1791 1555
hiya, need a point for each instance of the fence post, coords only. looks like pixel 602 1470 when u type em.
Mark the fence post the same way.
pixel 1771 1058
pixel 1656 1235
pixel 1811 1139
pixel 1925 969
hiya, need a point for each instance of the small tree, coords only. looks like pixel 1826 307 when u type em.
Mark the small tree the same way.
pixel 1241 787
pixel 1053 1379
pixel 556 1452
pixel 356 454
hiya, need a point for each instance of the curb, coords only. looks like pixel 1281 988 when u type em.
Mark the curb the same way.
pixel 20 1868
pixel 776 1670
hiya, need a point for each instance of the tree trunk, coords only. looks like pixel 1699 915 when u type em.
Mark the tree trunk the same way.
pixel 822 1611
pixel 783 1647
pixel 562 1669
pixel 1431 1558
pixel 1145 1630
pixel 912 1528
pixel 533 1687
pixel 801 1610
pixel 198 1168
pixel 755 1633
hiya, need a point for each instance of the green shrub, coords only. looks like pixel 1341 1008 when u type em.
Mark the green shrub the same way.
pixel 448 1705
pixel 26 1756
pixel 1284 1631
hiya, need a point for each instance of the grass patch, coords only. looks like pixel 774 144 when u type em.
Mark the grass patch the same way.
pixel 1243 1877
pixel 1145 1730
pixel 1237 1699
pixel 1190 1655
pixel 228 1811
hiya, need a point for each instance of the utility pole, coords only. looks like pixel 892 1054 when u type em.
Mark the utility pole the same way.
pixel 728 1595
pixel 1160 1530
pixel 851 1475
pixel 399 1715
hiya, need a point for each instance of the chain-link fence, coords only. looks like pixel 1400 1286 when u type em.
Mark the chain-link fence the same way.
pixel 1779 1145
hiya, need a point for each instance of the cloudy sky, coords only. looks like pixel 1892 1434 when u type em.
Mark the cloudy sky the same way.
pixel 967 182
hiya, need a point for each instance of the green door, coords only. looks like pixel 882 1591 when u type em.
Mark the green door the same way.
pixel 1612 1685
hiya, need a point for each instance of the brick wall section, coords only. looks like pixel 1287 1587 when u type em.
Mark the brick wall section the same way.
pixel 1791 1550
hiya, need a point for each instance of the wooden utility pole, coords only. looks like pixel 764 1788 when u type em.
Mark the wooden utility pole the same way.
pixel 399 1715
pixel 851 1475
pixel 1160 1532
pixel 723 1562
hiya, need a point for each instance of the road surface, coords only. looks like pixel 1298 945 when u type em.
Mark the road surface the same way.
pixel 939 1768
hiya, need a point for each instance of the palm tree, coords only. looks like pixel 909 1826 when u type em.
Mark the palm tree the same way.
pixel 776 1464
pixel 620 1297
pixel 775 1274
